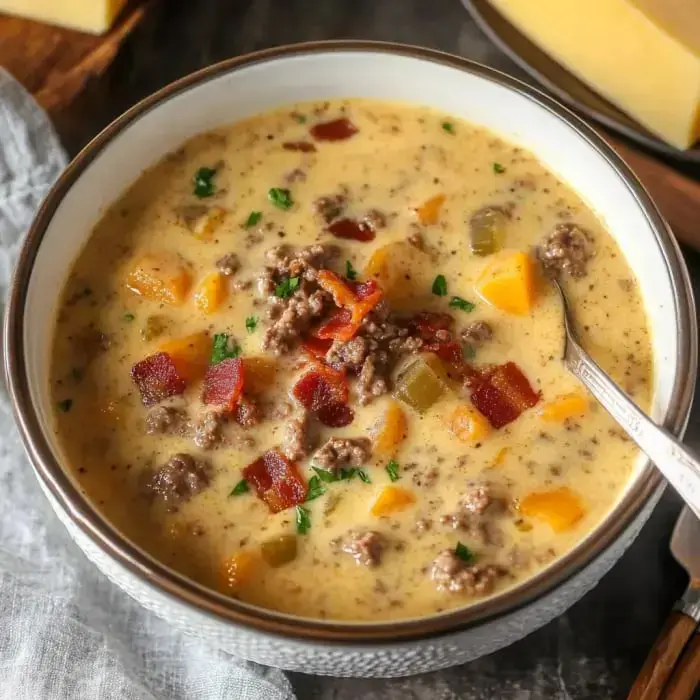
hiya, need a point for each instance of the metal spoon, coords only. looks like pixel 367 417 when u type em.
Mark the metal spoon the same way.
pixel 680 465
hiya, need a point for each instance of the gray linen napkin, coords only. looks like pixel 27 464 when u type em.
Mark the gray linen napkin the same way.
pixel 65 631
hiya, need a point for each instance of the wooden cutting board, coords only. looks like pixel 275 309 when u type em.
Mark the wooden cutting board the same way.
pixel 56 64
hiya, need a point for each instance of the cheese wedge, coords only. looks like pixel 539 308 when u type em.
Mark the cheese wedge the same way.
pixel 642 55
pixel 93 16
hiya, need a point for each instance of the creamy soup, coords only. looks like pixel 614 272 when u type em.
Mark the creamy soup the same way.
pixel 311 360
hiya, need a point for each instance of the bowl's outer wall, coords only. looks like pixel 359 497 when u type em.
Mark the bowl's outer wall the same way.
pixel 383 661
pixel 438 651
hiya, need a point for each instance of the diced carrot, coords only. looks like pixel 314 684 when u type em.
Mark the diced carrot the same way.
pixel 207 224
pixel 564 406
pixel 467 424
pixel 260 372
pixel 163 277
pixel 237 570
pixel 429 212
pixel 392 499
pixel 190 354
pixel 391 431
pixel 378 265
pixel 211 293
pixel 560 508
pixel 508 282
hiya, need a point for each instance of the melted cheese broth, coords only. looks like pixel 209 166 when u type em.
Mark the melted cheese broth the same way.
pixel 401 156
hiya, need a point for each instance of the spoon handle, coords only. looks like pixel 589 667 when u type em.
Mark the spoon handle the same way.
pixel 675 461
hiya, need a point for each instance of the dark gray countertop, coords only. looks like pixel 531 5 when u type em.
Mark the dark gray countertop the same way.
pixel 596 649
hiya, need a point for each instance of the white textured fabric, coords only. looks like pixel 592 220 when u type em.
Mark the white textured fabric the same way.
pixel 66 633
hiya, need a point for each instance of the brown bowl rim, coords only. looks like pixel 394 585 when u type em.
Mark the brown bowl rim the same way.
pixel 207 601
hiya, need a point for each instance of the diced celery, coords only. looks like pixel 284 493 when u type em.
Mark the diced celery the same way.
pixel 422 383
pixel 487 230
pixel 278 551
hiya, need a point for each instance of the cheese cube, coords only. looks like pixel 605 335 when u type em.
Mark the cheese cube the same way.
pixel 642 55
pixel 93 16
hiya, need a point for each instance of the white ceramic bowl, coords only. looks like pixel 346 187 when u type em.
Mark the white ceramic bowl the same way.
pixel 242 87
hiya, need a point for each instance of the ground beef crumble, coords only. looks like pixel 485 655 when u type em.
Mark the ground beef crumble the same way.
pixel 207 430
pixel 453 575
pixel 228 265
pixel 292 316
pixel 476 334
pixel 348 355
pixel 343 452
pixel 166 420
pixel 297 442
pixel 365 546
pixel 180 478
pixel 477 513
pixel 331 207
pixel 566 250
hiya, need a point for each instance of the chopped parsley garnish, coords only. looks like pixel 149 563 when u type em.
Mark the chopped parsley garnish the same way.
pixel 316 488
pixel 129 317
pixel 345 474
pixel 463 304
pixel 299 118
pixel 78 373
pixel 449 127
pixel 498 168
pixel 464 553
pixel 65 405
pixel 203 182
pixel 440 286
pixel 223 348
pixel 239 488
pixel 325 475
pixel 469 352
pixel 350 271
pixel 303 520
pixel 251 323
pixel 392 469
pixel 286 288
pixel 253 218
pixel 364 476
pixel 280 197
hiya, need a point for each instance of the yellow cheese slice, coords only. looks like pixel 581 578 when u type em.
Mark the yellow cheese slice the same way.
pixel 642 55
pixel 94 16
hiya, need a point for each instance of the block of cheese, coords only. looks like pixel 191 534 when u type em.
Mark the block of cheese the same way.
pixel 642 55
pixel 93 16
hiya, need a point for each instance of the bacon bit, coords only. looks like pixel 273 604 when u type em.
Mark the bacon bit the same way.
pixel 223 383
pixel 428 323
pixel 335 130
pixel 363 290
pixel 303 146
pixel 336 415
pixel 338 326
pixel 317 346
pixel 352 230
pixel 358 298
pixel 157 378
pixel 450 353
pixel 503 393
pixel 320 388
pixel 276 481
pixel 342 293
